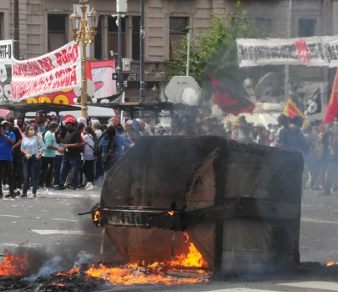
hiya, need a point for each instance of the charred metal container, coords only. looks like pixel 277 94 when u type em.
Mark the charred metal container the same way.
pixel 239 203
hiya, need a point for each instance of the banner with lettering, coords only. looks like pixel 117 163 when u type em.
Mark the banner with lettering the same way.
pixel 66 96
pixel 100 86
pixel 6 53
pixel 310 51
pixel 52 72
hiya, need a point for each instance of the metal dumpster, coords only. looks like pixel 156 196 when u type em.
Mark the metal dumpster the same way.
pixel 239 203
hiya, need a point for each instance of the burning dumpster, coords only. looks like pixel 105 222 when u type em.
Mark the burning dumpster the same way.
pixel 240 204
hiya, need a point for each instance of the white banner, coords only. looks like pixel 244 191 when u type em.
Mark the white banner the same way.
pixel 101 74
pixel 6 54
pixel 55 71
pixel 311 51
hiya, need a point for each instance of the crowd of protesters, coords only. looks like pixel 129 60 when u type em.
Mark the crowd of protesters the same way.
pixel 49 152
pixel 317 142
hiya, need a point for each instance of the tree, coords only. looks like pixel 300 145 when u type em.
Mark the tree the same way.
pixel 214 50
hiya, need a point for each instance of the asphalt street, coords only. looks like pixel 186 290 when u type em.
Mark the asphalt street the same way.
pixel 51 224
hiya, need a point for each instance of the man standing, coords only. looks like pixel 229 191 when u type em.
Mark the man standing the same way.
pixel 72 153
pixel 17 156
pixel 7 140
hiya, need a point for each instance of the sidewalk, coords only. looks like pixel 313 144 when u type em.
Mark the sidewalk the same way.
pixel 67 193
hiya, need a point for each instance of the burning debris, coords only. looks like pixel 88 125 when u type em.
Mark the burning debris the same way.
pixel 185 268
pixel 189 268
pixel 14 265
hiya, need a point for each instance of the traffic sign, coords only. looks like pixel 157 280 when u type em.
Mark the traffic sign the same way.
pixel 183 89
pixel 115 76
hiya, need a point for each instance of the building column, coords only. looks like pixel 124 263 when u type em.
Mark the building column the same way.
pixel 129 36
pixel 104 35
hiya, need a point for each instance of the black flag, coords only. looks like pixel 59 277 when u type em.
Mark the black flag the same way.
pixel 313 105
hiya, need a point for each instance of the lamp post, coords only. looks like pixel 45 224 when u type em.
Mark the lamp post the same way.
pixel 84 31
pixel 121 7
pixel 142 35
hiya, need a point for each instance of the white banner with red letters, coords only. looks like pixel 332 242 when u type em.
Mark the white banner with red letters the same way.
pixel 55 71
pixel 309 51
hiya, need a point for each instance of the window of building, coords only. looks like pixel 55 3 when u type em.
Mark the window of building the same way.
pixel 263 24
pixel 306 27
pixel 113 35
pixel 178 28
pixel 98 40
pixel 56 31
pixel 136 38
pixel 1 26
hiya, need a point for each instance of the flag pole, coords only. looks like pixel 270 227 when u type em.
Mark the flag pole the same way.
pixel 287 67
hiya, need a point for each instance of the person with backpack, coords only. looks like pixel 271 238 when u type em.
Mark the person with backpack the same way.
pixel 90 154
pixel 108 148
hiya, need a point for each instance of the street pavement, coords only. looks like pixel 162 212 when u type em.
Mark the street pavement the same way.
pixel 50 224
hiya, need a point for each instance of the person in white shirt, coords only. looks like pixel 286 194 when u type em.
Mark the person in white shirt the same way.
pixel 89 156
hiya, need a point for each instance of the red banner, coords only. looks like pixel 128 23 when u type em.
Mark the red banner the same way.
pixel 332 107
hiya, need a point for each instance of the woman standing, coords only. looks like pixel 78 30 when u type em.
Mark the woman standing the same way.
pixel 89 156
pixel 32 147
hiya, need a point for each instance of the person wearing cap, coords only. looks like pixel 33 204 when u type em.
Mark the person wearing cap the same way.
pixel 7 140
pixel 49 154
pixel 73 145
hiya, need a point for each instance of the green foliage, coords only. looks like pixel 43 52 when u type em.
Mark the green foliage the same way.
pixel 214 51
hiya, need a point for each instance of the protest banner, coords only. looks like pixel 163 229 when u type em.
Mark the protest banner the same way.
pixel 100 87
pixel 52 72
pixel 6 53
pixel 310 51
pixel 101 76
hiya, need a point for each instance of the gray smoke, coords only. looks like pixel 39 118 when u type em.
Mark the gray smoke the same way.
pixel 51 266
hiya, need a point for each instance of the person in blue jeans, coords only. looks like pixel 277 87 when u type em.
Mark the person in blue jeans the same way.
pixel 73 144
pixel 7 140
pixel 32 147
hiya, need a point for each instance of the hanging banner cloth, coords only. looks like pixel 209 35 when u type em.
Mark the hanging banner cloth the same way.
pixel 6 53
pixel 309 51
pixel 56 71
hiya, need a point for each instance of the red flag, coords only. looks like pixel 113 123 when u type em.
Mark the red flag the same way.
pixel 291 110
pixel 230 99
pixel 332 107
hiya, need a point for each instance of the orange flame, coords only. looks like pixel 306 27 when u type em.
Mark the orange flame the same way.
pixel 331 263
pixel 193 259
pixel 70 272
pixel 134 274
pixel 167 273
pixel 171 213
pixel 14 265
pixel 97 217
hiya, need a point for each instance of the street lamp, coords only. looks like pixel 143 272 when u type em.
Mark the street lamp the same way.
pixel 84 31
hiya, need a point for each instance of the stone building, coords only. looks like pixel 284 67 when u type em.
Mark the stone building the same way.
pixel 41 26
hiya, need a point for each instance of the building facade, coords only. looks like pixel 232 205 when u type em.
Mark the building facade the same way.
pixel 40 26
